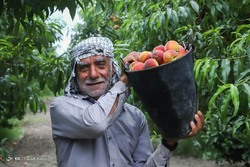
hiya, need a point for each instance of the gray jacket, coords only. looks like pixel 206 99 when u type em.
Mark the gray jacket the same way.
pixel 86 136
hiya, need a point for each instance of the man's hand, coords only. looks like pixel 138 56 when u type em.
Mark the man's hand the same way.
pixel 195 127
pixel 131 57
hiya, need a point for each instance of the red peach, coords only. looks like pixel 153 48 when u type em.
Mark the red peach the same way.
pixel 132 65
pixel 159 47
pixel 169 55
pixel 172 44
pixel 144 56
pixel 182 51
pixel 158 56
pixel 137 66
pixel 150 63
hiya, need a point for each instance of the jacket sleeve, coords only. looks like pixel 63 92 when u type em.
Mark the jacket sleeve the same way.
pixel 144 155
pixel 76 119
pixel 159 158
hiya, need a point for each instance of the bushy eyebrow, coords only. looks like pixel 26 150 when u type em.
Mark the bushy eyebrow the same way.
pixel 82 63
pixel 98 60
pixel 101 59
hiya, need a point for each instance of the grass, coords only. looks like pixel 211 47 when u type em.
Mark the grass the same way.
pixel 14 133
pixel 17 131
pixel 9 136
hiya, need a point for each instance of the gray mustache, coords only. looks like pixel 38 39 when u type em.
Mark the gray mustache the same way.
pixel 89 81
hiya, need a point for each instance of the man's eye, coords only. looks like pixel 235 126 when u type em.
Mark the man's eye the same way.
pixel 101 65
pixel 83 68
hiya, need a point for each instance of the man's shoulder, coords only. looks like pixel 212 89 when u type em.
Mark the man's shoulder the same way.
pixel 133 110
pixel 64 100
pixel 130 106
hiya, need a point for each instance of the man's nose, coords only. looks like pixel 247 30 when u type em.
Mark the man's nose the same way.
pixel 93 72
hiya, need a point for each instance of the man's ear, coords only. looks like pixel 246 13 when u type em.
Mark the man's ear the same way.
pixel 113 70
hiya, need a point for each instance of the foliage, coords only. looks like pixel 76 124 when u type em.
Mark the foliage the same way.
pixel 8 136
pixel 228 108
pixel 220 32
pixel 28 64
pixel 4 151
pixel 24 13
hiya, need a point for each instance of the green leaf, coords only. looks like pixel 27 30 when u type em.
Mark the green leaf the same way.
pixel 248 126
pixel 16 28
pixel 183 11
pixel 218 6
pixel 247 91
pixel 237 125
pixel 42 82
pixel 167 20
pixel 4 42
pixel 213 11
pixel 224 107
pixel 234 92
pixel 72 9
pixel 222 88
pixel 205 70
pixel 80 4
pixel 243 75
pixel 159 18
pixel 237 67
pixel 163 18
pixel 40 14
pixel 197 66
pixel 152 22
pixel 3 141
pixel 195 6
pixel 225 66
pixel 243 26
pixel 212 74
pixel 174 17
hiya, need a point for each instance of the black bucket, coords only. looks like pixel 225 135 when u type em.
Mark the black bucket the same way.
pixel 169 94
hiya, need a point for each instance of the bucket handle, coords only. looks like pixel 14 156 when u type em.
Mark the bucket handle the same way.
pixel 125 66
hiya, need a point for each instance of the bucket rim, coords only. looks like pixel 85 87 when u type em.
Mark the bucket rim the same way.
pixel 191 49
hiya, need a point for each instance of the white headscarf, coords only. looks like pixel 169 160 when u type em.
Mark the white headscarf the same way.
pixel 91 47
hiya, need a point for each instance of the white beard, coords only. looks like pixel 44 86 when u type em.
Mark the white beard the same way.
pixel 94 91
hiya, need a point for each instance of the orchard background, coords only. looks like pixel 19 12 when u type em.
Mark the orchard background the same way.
pixel 219 29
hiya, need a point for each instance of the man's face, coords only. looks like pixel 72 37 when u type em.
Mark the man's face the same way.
pixel 93 75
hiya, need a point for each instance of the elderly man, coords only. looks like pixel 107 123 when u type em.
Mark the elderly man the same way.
pixel 92 124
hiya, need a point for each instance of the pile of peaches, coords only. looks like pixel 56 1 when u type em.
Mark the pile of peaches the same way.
pixel 161 54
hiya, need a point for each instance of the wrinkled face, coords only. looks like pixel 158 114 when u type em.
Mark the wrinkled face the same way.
pixel 93 75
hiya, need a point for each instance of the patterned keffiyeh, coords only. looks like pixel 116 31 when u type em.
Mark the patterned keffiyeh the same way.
pixel 90 47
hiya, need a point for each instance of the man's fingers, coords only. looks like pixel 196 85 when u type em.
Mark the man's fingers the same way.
pixel 194 129
pixel 131 57
pixel 200 122
pixel 202 118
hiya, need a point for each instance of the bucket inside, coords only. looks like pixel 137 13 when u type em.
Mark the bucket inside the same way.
pixel 169 94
